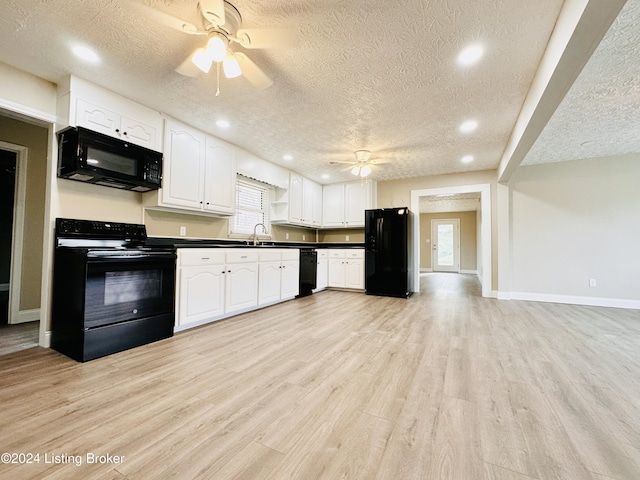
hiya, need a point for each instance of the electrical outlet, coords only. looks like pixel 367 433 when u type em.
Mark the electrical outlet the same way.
pixel 346 238
pixel 286 236
pixel 592 282
pixel 304 237
pixel 183 231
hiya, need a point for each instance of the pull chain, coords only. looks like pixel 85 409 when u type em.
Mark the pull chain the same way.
pixel 217 78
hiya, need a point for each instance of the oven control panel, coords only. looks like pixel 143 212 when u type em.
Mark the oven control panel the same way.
pixel 90 229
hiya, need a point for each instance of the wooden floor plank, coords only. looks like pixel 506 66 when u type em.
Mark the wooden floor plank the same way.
pixel 445 384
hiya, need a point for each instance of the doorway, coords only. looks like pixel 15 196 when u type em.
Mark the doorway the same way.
pixel 8 165
pixel 445 245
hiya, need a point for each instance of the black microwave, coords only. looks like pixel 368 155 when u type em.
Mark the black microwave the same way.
pixel 93 157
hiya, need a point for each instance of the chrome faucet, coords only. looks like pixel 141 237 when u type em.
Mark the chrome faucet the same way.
pixel 255 232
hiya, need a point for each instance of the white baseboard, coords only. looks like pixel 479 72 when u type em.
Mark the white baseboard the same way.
pixel 47 340
pixel 502 295
pixel 24 316
pixel 573 300
pixel 426 270
pixel 469 272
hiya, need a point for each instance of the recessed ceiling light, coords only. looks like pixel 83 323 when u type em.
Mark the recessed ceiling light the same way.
pixel 222 124
pixel 470 55
pixel 287 157
pixel 467 159
pixel 325 176
pixel 85 53
pixel 468 126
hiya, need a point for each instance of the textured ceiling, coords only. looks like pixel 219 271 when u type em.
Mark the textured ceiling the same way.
pixel 372 74
pixel 376 74
pixel 462 202
pixel 601 114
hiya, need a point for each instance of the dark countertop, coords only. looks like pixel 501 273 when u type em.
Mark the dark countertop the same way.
pixel 208 243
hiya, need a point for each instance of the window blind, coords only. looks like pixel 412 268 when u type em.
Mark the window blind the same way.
pixel 252 207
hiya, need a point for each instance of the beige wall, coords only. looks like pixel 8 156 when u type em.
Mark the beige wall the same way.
pixel 167 224
pixel 577 220
pixel 397 193
pixel 35 138
pixel 468 238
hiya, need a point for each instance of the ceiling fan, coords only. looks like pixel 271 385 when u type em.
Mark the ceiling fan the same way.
pixel 361 166
pixel 222 25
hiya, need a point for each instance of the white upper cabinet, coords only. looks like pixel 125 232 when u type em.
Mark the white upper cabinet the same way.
pixel 199 174
pixel 84 104
pixel 343 204
pixel 220 184
pixel 184 149
pixel 300 204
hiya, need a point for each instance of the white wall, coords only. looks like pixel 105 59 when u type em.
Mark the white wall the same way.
pixel 575 221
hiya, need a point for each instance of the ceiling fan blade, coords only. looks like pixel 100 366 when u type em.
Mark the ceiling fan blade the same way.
pixel 213 11
pixel 379 162
pixel 254 75
pixel 168 20
pixel 335 162
pixel 188 68
pixel 266 37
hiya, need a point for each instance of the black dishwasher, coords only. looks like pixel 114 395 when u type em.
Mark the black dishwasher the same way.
pixel 308 268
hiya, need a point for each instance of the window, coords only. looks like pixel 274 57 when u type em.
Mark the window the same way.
pixel 252 207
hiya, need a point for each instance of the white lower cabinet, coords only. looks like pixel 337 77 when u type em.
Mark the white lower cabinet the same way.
pixel 346 268
pixel 242 281
pixel 279 277
pixel 322 270
pixel 201 285
pixel 215 283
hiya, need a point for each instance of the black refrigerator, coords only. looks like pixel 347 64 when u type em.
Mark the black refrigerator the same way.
pixel 389 252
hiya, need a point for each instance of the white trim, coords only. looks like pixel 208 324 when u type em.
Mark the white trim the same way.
pixel 426 270
pixel 32 113
pixel 503 295
pixel 45 340
pixel 485 229
pixel 576 300
pixel 469 272
pixel 24 316
pixel 19 202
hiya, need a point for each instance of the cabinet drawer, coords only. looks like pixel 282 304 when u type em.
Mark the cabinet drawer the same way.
pixel 199 256
pixel 270 255
pixel 355 253
pixel 243 255
pixel 336 253
pixel 291 254
pixel 322 253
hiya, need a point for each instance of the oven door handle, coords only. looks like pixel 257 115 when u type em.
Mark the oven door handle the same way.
pixel 96 257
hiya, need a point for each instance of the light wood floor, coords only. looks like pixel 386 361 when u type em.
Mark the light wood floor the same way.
pixel 18 337
pixel 338 385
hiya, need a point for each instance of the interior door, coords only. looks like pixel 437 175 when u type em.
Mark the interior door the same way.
pixel 445 245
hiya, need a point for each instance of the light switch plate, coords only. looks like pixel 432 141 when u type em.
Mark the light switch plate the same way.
pixel 183 231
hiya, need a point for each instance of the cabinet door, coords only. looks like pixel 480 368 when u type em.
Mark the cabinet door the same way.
pixel 316 215
pixel 220 177
pixel 307 201
pixel 354 273
pixel 183 166
pixel 97 118
pixel 241 286
pixel 333 206
pixel 138 133
pixel 356 195
pixel 321 274
pixel 290 283
pixel 295 198
pixel 336 276
pixel 269 282
pixel 200 293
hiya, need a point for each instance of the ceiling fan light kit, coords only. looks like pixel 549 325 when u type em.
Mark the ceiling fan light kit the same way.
pixel 231 67
pixel 222 24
